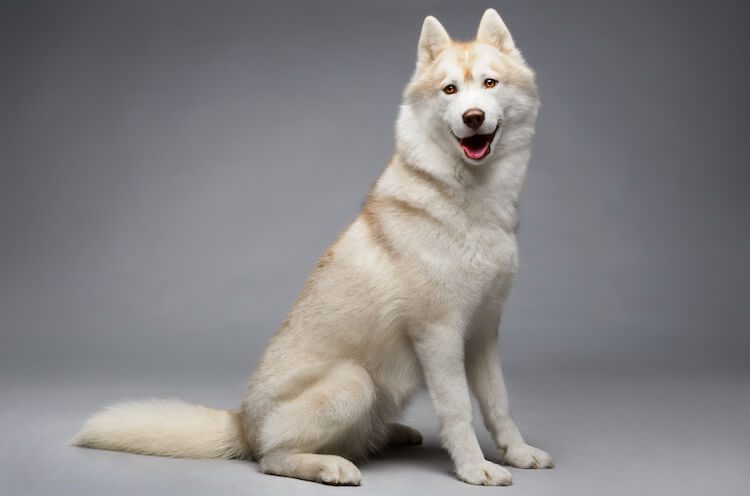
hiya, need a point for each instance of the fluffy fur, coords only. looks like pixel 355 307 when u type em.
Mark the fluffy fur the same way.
pixel 409 294
pixel 166 427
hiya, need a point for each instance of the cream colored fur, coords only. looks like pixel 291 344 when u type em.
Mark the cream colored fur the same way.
pixel 409 294
pixel 165 427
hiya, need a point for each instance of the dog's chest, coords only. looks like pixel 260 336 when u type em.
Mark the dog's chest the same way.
pixel 485 254
pixel 482 251
pixel 487 238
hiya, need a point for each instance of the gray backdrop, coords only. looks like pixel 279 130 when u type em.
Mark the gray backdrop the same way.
pixel 170 172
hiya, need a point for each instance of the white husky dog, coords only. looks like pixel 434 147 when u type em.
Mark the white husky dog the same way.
pixel 409 294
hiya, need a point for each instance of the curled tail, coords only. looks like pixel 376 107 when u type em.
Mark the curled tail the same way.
pixel 166 428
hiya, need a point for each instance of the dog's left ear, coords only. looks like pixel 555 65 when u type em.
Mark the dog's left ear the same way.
pixel 493 30
pixel 432 40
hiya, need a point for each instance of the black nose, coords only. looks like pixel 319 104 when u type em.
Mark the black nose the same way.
pixel 473 118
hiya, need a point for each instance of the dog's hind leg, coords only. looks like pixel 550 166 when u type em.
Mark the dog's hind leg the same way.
pixel 328 469
pixel 302 437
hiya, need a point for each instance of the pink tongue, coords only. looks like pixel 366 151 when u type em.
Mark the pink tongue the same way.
pixel 476 153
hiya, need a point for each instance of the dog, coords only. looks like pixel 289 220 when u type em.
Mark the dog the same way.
pixel 410 294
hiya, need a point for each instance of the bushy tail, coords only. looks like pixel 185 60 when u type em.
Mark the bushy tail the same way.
pixel 166 428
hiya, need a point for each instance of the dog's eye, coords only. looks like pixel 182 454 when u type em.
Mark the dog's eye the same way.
pixel 490 83
pixel 450 89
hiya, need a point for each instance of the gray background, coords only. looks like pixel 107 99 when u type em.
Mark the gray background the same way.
pixel 170 172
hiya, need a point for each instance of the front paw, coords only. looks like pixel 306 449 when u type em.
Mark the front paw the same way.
pixel 525 456
pixel 484 473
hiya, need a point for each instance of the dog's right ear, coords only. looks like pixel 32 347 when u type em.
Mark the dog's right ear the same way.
pixel 433 40
pixel 493 30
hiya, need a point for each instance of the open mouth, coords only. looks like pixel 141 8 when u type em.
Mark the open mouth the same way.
pixel 477 147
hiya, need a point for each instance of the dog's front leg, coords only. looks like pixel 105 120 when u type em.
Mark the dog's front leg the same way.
pixel 486 378
pixel 440 350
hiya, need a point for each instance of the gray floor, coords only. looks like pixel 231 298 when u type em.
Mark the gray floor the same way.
pixel 609 435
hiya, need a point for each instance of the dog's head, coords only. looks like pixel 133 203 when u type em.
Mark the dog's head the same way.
pixel 466 96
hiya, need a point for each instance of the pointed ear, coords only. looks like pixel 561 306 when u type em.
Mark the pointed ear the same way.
pixel 493 30
pixel 433 40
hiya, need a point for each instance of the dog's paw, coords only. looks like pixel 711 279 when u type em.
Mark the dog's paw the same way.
pixel 526 456
pixel 339 472
pixel 484 473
